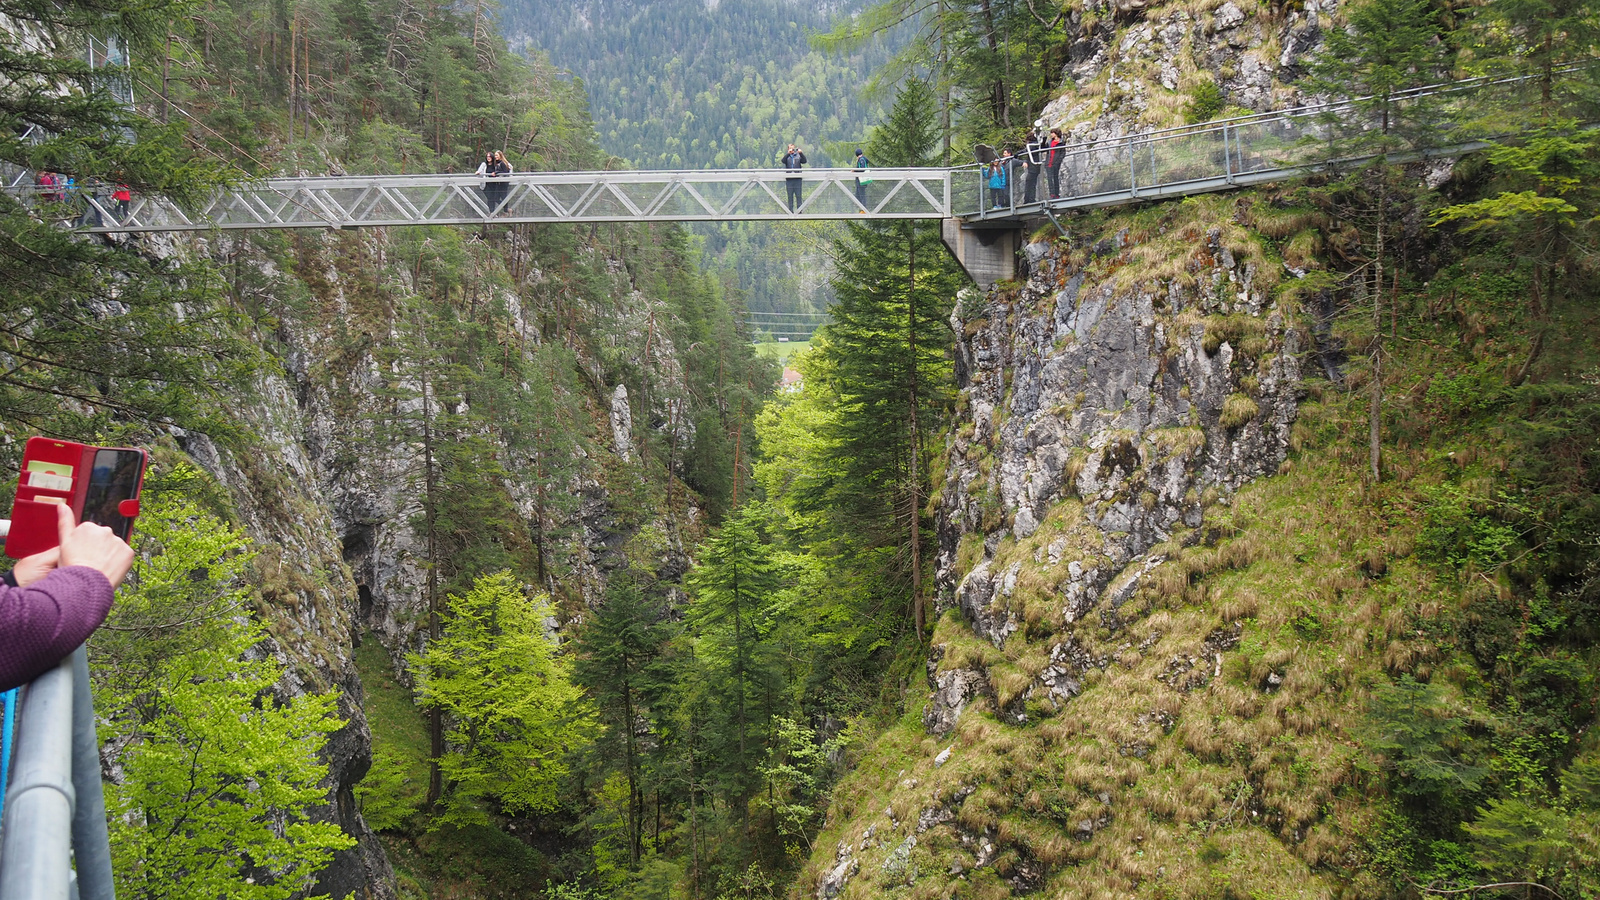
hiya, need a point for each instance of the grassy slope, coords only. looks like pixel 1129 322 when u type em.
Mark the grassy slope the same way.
pixel 1212 781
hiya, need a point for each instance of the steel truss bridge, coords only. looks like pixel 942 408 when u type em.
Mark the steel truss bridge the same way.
pixel 1214 156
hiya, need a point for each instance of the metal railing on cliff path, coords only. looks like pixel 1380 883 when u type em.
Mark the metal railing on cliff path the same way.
pixel 1175 162
pixel 53 841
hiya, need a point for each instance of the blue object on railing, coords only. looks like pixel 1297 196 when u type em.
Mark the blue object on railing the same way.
pixel 9 698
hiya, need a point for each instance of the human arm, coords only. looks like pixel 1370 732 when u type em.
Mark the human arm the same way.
pixel 63 597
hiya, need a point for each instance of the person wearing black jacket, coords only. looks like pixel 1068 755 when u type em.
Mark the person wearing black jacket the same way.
pixel 793 159
pixel 498 188
pixel 1033 157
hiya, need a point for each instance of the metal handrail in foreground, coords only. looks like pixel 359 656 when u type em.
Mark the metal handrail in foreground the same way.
pixel 53 842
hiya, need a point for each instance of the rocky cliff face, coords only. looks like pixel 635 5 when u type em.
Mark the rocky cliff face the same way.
pixel 332 505
pixel 1114 408
pixel 1078 738
pixel 1136 65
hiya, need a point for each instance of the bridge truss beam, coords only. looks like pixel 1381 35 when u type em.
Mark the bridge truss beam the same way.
pixel 359 201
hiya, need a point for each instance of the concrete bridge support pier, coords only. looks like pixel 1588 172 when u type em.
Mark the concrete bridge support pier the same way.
pixel 988 253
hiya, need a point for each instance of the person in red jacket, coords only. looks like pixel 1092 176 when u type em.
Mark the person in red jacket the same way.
pixel 52 601
pixel 1055 152
pixel 122 195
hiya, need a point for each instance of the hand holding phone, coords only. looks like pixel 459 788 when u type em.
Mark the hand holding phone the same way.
pixel 95 546
pixel 97 485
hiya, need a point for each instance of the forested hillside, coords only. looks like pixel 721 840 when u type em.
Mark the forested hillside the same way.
pixel 359 439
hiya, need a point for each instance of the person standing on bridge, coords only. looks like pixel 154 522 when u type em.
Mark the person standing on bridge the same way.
pixel 998 195
pixel 502 187
pixel 1055 152
pixel 1033 158
pixel 862 164
pixel 487 168
pixel 793 159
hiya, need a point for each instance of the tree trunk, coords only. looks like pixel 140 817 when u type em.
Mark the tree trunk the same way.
pixel 918 614
pixel 435 624
pixel 1374 414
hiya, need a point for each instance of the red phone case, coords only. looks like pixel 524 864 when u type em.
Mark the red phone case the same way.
pixel 53 472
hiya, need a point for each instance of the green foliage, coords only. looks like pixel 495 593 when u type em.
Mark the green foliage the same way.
pixel 1386 47
pixel 1475 533
pixel 389 792
pixel 1424 737
pixel 513 714
pixel 1553 841
pixel 219 775
pixel 1204 104
pixel 795 771
pixel 734 583
pixel 616 662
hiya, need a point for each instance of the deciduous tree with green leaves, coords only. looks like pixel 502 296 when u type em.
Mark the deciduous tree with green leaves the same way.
pixel 219 772
pixel 512 713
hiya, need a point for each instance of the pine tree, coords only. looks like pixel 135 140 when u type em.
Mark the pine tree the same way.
pixel 733 584
pixel 886 352
pixel 615 658
pixel 1386 47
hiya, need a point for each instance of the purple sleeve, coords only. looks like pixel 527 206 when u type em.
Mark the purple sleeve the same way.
pixel 43 622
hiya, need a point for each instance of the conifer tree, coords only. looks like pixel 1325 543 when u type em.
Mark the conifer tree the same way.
pixel 733 585
pixel 1385 47
pixel 90 331
pixel 615 658
pixel 886 350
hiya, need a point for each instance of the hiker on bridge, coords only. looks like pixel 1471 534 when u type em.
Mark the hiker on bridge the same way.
pixel 1033 160
pixel 999 196
pixel 486 168
pixel 495 189
pixel 793 159
pixel 862 164
pixel 502 186
pixel 1055 152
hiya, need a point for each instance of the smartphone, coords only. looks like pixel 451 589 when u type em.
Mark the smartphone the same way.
pixel 99 484
pixel 114 478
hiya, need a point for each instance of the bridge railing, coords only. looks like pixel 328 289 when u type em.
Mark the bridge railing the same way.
pixel 1244 150
pixel 623 196
pixel 53 842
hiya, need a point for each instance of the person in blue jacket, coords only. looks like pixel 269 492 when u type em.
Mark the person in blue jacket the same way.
pixel 999 197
